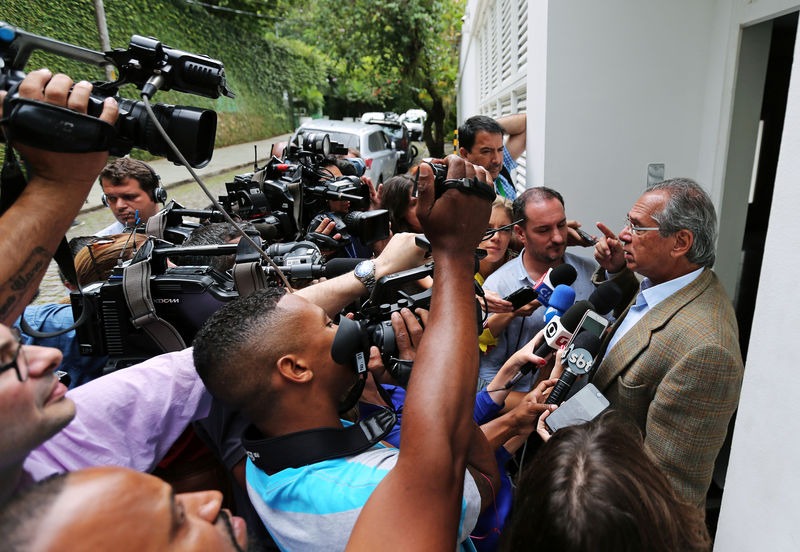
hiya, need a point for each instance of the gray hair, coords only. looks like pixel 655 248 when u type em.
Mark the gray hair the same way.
pixel 688 207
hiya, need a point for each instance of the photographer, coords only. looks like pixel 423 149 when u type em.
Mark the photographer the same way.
pixel 34 224
pixel 439 437
pixel 118 509
pixel 132 417
pixel 325 222
pixel 288 382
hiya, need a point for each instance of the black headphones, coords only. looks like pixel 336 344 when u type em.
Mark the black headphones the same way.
pixel 159 194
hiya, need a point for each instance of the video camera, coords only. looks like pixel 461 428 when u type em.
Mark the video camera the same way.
pixel 289 197
pixel 182 296
pixel 146 63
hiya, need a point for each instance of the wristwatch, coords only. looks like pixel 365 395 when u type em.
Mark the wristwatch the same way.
pixel 365 272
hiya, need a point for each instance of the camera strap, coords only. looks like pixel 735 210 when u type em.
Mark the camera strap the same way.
pixel 157 224
pixel 302 448
pixel 471 186
pixel 139 298
pixel 249 277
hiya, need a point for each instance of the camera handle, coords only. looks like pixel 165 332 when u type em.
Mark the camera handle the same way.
pixel 31 122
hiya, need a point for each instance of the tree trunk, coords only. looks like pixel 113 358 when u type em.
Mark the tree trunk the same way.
pixel 435 122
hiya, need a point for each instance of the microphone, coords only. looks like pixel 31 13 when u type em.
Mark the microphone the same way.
pixel 578 359
pixel 562 274
pixel 605 297
pixel 562 298
pixel 557 332
pixel 339 266
pixel 334 267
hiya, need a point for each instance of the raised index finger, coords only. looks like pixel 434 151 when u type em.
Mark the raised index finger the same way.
pixel 606 231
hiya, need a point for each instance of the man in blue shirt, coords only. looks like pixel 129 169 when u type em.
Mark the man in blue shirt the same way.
pixel 480 141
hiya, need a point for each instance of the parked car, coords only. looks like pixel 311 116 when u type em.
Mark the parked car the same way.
pixel 379 116
pixel 414 119
pixel 370 140
pixel 399 133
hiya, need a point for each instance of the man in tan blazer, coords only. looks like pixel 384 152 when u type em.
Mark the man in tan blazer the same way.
pixel 671 361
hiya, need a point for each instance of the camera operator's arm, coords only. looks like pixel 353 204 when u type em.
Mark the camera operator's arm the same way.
pixel 332 295
pixel 35 223
pixel 438 430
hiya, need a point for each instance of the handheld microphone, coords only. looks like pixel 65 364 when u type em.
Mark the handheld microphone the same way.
pixel 605 297
pixel 557 332
pixel 562 298
pixel 562 274
pixel 578 359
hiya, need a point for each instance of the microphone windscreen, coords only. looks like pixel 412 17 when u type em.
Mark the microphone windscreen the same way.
pixel 573 316
pixel 587 340
pixel 340 265
pixel 562 298
pixel 563 274
pixel 605 297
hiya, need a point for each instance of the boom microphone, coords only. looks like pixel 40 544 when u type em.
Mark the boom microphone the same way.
pixel 303 271
pixel 578 359
pixel 339 266
pixel 562 274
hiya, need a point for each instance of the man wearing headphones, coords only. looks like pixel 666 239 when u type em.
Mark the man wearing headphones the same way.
pixel 131 190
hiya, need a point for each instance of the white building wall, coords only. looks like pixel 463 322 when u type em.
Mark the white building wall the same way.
pixel 492 75
pixel 761 504
pixel 615 85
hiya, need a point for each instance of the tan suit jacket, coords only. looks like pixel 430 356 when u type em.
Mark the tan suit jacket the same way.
pixel 677 374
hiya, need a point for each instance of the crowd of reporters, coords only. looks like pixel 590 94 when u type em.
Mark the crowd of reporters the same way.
pixel 273 365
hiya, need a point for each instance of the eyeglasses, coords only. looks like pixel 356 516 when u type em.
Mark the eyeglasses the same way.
pixel 638 230
pixel 20 368
pixel 507 228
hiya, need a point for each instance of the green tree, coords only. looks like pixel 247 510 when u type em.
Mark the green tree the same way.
pixel 391 54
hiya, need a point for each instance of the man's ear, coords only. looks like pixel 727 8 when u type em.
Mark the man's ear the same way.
pixel 293 369
pixel 683 242
pixel 520 233
pixel 463 152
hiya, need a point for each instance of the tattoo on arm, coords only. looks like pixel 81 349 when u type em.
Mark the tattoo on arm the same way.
pixel 12 291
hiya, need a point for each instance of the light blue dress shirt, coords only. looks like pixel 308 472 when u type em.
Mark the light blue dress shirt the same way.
pixel 648 297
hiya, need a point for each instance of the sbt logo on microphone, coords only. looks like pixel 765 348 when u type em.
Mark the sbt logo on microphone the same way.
pixel 579 361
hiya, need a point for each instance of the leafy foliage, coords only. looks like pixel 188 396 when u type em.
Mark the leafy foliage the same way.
pixel 349 56
pixel 261 69
pixel 391 55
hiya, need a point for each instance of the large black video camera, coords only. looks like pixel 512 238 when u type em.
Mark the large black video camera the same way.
pixel 284 197
pixel 146 63
pixel 183 296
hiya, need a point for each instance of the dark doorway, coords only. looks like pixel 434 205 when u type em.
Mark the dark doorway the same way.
pixel 773 108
